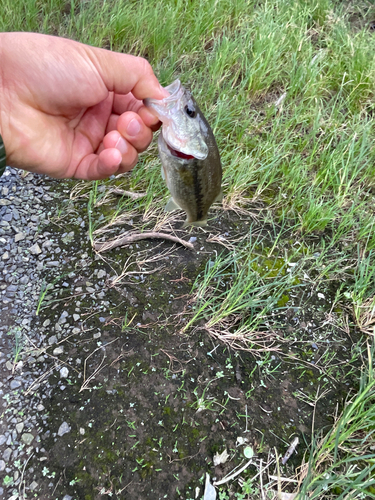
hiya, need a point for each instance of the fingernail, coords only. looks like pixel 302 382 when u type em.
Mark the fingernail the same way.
pixel 134 127
pixel 121 145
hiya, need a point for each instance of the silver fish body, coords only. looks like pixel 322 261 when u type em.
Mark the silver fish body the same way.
pixel 189 154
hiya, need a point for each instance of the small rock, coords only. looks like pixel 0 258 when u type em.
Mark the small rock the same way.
pixel 52 340
pixel 76 317
pixel 82 431
pixel 47 323
pixel 67 497
pixel 47 244
pixel 9 365
pixel 2 439
pixel 2 465
pixel 19 427
pixel 19 237
pixel 5 255
pixel 7 217
pixel 97 335
pixel 58 350
pixel 7 453
pixel 63 429
pixel 27 438
pixel 33 485
pixel 35 249
pixel 64 372
pixel 101 273
pixel 15 384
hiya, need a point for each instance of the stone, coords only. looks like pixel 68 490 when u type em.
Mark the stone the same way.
pixel 63 429
pixel 15 384
pixel 27 438
pixel 7 453
pixel 64 372
pixel 2 465
pixel 101 273
pixel 35 249
pixel 19 427
pixel 19 237
pixel 58 350
pixel 33 485
pixel 2 439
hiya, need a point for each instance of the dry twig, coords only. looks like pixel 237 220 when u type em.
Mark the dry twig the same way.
pixel 132 237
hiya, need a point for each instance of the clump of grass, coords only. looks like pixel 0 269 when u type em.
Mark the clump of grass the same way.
pixel 342 464
pixel 237 291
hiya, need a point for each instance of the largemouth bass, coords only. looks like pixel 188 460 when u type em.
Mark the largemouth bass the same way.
pixel 189 154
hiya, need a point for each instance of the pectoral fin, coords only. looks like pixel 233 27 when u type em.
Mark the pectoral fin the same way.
pixel 171 205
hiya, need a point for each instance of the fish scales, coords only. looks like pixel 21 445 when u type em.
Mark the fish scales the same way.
pixel 189 154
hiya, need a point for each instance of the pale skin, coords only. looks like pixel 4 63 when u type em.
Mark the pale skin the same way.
pixel 69 110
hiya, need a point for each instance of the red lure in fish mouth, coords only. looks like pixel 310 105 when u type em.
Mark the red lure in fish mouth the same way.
pixel 179 154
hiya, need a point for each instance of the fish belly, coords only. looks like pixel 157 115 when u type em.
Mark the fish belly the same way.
pixel 193 187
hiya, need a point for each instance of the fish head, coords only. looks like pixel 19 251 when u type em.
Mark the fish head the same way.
pixel 183 130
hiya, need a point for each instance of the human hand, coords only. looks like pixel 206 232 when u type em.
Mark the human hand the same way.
pixel 71 110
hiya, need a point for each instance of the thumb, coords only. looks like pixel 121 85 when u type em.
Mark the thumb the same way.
pixel 123 73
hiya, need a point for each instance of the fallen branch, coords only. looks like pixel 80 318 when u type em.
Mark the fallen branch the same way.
pixel 130 194
pixel 130 238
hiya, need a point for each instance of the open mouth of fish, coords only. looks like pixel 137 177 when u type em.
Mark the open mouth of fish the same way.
pixel 179 154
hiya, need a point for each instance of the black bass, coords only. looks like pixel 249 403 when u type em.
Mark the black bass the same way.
pixel 189 155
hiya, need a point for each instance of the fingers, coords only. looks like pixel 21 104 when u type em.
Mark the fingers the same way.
pixel 129 154
pixel 133 129
pixel 97 167
pixel 123 73
pixel 123 103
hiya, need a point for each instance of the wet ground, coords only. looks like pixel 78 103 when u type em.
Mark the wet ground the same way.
pixel 145 403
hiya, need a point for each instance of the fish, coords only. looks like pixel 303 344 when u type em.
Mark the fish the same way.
pixel 190 158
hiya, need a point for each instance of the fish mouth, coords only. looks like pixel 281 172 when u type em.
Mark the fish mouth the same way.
pixel 179 154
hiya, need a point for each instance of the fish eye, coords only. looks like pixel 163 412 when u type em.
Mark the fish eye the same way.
pixel 190 111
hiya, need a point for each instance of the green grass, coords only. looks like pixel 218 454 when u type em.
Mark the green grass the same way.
pixel 307 164
pixel 342 463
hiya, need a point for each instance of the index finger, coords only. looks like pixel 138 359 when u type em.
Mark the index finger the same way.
pixel 123 73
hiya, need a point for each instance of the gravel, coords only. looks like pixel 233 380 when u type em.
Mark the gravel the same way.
pixel 27 250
